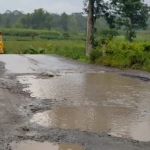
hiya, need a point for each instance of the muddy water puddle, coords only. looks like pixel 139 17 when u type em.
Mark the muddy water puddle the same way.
pixel 32 145
pixel 120 122
pixel 86 118
pixel 95 102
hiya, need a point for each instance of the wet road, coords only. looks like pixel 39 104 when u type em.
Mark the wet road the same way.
pixel 85 97
pixel 36 64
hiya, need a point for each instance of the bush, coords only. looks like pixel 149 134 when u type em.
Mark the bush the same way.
pixel 66 35
pixel 110 32
pixel 124 55
pixel 95 54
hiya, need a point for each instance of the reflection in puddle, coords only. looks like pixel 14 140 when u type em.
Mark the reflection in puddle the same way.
pixel 32 145
pixel 86 118
pixel 96 102
pixel 89 88
pixel 120 122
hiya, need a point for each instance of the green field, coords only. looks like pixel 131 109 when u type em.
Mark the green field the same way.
pixel 120 53
pixel 18 41
pixel 69 48
pixel 30 34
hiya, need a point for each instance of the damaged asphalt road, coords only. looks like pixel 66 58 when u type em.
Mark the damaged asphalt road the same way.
pixel 17 107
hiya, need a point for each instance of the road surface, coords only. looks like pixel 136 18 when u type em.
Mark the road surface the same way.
pixel 19 107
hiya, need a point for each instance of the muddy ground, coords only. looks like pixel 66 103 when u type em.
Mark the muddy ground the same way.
pixel 17 108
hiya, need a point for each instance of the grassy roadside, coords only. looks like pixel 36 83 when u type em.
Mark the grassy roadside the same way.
pixel 123 54
pixel 120 53
pixel 74 49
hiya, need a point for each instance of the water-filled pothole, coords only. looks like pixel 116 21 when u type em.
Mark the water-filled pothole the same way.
pixel 120 122
pixel 127 106
pixel 33 145
pixel 85 87
pixel 86 118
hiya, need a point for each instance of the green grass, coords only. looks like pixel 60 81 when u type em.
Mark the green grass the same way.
pixel 27 32
pixel 26 41
pixel 67 48
pixel 30 34
pixel 14 47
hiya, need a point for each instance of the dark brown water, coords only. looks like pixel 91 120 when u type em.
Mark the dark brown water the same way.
pixel 32 145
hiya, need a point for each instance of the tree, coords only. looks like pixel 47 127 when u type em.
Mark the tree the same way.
pixel 7 23
pixel 39 19
pixel 90 26
pixel 9 18
pixel 64 21
pixel 132 14
pixel 73 24
pixel 94 10
pixel 81 21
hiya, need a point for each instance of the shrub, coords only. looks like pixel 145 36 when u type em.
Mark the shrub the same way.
pixel 95 54
pixel 124 54
pixel 66 35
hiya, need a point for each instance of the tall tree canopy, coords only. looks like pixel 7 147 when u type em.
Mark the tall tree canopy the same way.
pixel 132 14
pixel 64 21
pixel 39 19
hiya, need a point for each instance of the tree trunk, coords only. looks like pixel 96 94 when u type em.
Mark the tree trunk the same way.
pixel 90 27
pixel 129 30
pixel 104 49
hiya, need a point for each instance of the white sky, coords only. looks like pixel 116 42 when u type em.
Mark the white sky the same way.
pixel 53 6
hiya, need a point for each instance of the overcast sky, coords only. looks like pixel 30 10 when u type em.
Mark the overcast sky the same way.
pixel 53 6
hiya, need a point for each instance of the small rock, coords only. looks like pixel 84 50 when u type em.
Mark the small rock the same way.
pixel 25 129
pixel 33 110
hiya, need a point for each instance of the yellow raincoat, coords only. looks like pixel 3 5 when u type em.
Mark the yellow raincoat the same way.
pixel 1 44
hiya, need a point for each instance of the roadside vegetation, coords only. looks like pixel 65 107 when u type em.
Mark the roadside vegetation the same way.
pixel 121 40
pixel 74 49
pixel 120 53
pixel 123 54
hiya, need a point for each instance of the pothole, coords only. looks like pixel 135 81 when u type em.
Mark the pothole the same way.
pixel 81 88
pixel 86 118
pixel 96 102
pixel 33 145
pixel 117 121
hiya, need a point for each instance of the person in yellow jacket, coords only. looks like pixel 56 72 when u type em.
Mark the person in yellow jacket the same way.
pixel 1 44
